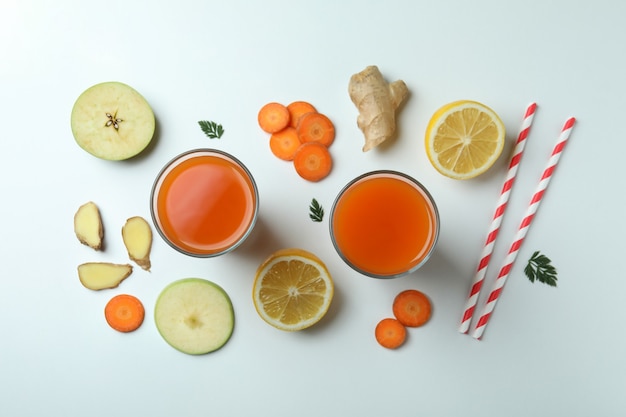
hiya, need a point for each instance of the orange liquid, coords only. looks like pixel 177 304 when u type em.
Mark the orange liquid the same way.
pixel 384 225
pixel 205 204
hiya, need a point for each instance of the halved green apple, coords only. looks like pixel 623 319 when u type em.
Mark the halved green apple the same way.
pixel 194 315
pixel 112 121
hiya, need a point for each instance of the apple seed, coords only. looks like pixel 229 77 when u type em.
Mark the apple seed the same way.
pixel 113 120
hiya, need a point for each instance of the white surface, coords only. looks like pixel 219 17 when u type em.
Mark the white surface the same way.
pixel 546 351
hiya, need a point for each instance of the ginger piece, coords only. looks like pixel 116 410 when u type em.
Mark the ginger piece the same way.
pixel 88 226
pixel 103 275
pixel 377 102
pixel 137 237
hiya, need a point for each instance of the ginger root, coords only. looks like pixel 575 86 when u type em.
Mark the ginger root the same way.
pixel 377 102
pixel 103 275
pixel 137 237
pixel 88 225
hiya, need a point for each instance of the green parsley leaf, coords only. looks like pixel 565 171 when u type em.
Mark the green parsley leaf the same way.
pixel 211 129
pixel 316 211
pixel 539 268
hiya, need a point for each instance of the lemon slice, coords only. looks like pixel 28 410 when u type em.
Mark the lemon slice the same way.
pixel 292 289
pixel 464 139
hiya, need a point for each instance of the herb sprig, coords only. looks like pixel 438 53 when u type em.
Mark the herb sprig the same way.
pixel 540 268
pixel 211 129
pixel 316 211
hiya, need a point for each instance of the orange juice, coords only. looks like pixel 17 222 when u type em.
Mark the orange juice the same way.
pixel 204 203
pixel 384 224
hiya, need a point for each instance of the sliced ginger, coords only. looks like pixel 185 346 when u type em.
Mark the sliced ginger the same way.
pixel 377 102
pixel 137 236
pixel 88 226
pixel 103 275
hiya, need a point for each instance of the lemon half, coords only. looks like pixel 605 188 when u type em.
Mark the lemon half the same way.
pixel 292 289
pixel 464 139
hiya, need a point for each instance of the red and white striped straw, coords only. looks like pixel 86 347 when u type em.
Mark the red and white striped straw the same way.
pixel 494 227
pixel 498 286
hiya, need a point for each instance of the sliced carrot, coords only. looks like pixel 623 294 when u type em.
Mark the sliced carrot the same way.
pixel 316 127
pixel 285 143
pixel 390 333
pixel 412 308
pixel 313 161
pixel 297 109
pixel 124 313
pixel 273 117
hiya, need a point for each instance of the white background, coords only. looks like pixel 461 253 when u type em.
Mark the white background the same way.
pixel 547 351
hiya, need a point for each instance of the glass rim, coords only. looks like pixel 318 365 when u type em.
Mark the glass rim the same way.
pixel 420 187
pixel 175 161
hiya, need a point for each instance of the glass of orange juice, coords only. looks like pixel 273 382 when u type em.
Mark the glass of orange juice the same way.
pixel 204 203
pixel 384 224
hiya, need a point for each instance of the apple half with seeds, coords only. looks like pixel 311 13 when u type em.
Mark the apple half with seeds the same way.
pixel 112 121
pixel 194 316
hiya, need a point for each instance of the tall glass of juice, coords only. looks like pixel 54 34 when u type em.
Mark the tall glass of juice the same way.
pixel 204 203
pixel 384 224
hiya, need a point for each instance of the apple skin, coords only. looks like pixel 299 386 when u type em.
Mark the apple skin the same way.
pixel 112 121
pixel 194 316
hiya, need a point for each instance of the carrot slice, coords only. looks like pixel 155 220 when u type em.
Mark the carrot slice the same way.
pixel 412 308
pixel 285 143
pixel 390 333
pixel 313 161
pixel 124 313
pixel 273 117
pixel 297 109
pixel 316 127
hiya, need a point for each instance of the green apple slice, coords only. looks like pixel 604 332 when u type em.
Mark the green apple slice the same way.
pixel 112 121
pixel 194 315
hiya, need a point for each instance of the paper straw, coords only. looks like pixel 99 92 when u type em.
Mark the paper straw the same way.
pixel 496 290
pixel 494 227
